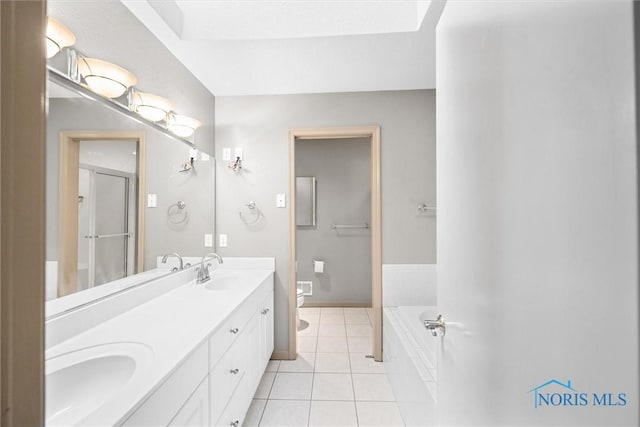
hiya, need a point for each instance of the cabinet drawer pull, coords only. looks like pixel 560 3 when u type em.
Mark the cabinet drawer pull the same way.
pixel 236 423
pixel 235 371
pixel 234 330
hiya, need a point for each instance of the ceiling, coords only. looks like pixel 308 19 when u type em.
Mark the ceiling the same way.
pixel 265 47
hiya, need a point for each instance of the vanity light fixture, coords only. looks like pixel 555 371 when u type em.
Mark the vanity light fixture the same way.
pixel 182 125
pixel 58 36
pixel 105 78
pixel 151 107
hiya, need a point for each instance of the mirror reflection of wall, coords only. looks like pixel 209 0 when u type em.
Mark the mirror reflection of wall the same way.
pixel 110 167
pixel 305 201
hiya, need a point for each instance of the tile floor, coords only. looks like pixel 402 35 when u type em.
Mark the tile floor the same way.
pixel 331 383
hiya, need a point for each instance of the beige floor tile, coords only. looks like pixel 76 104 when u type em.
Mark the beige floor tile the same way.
pixel 332 414
pixel 360 364
pixel 306 344
pixel 286 413
pixel 357 319
pixel 331 310
pixel 303 363
pixel 332 387
pixel 332 362
pixel 360 344
pixel 332 319
pixel 372 387
pixel 332 345
pixel 359 330
pixel 330 330
pixel 355 310
pixel 379 414
pixel 290 385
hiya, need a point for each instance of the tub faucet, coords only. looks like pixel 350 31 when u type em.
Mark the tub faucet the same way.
pixel 203 271
pixel 164 260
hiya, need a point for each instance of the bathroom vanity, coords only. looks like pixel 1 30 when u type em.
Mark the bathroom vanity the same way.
pixel 192 355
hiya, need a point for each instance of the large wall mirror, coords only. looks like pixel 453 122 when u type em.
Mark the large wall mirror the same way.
pixel 120 194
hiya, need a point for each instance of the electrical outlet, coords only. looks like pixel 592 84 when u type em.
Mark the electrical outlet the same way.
pixel 204 157
pixel 152 200
pixel 281 200
pixel 222 240
pixel 226 154
pixel 208 240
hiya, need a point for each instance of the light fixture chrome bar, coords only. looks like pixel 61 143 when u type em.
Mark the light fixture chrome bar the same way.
pixel 338 226
pixel 102 236
pixel 61 79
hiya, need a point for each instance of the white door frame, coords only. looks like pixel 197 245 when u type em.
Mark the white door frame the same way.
pixel 68 200
pixel 373 133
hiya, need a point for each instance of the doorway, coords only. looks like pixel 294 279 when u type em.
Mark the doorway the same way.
pixel 106 224
pixel 367 229
pixel 101 208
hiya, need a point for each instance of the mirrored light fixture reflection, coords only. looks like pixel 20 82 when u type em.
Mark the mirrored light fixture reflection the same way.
pixel 58 36
pixel 105 78
pixel 182 125
pixel 151 107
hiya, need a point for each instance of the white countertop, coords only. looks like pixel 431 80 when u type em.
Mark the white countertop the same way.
pixel 172 325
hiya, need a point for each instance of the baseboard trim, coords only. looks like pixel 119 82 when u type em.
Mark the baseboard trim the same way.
pixel 280 355
pixel 311 304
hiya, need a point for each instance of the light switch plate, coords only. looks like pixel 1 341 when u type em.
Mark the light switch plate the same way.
pixel 226 153
pixel 208 240
pixel 281 200
pixel 152 200
pixel 222 240
pixel 238 153
pixel 204 157
pixel 193 153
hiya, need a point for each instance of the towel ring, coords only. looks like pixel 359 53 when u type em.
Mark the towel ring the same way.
pixel 176 213
pixel 253 209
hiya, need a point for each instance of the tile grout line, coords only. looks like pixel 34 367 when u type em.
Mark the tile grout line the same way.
pixel 353 387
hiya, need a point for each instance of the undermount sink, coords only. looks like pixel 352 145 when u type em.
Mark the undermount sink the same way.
pixel 79 382
pixel 222 280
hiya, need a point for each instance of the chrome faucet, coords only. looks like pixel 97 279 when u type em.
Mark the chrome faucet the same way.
pixel 203 271
pixel 164 260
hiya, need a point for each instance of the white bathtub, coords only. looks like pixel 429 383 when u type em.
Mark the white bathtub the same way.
pixel 409 353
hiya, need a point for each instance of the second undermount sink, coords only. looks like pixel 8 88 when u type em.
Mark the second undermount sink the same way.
pixel 79 382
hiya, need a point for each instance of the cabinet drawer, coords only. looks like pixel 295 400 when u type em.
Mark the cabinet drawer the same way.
pixel 226 375
pixel 195 412
pixel 166 401
pixel 233 415
pixel 232 328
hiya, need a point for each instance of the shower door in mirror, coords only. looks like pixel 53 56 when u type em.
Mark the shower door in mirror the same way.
pixel 106 225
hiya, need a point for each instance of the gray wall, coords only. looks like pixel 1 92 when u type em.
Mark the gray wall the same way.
pixel 260 125
pixel 163 159
pixel 342 170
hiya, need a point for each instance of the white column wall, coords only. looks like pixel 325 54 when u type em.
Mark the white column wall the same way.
pixel 537 211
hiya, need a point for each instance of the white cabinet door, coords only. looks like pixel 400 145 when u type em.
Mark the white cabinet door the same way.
pixel 266 331
pixel 195 411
